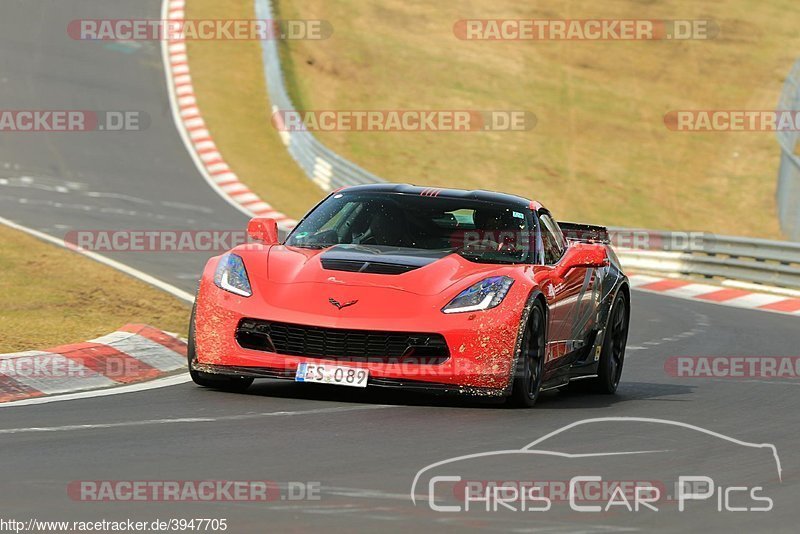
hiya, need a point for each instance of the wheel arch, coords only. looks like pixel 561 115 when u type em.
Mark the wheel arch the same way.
pixel 534 296
pixel 625 289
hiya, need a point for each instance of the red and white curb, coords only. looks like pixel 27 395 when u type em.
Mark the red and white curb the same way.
pixel 196 135
pixel 729 296
pixel 134 353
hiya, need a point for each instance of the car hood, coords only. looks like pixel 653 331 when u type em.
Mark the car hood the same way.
pixel 414 271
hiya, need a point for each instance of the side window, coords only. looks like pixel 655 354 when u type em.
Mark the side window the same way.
pixel 552 239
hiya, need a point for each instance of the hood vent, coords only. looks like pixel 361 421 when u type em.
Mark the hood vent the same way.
pixel 361 266
pixel 378 259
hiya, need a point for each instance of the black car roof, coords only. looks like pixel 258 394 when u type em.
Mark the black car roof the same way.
pixel 437 192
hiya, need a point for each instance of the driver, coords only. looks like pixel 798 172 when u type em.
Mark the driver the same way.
pixel 386 227
pixel 497 229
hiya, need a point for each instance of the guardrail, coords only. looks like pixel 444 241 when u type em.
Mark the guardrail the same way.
pixel 788 194
pixel 752 260
pixel 759 261
pixel 323 166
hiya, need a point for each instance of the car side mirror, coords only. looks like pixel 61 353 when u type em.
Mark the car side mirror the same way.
pixel 263 229
pixel 582 256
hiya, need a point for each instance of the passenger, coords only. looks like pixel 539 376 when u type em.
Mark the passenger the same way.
pixel 387 227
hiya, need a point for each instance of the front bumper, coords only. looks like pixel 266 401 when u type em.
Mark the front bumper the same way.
pixel 481 345
pixel 389 383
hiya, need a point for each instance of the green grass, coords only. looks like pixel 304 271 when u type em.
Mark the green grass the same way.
pixel 82 298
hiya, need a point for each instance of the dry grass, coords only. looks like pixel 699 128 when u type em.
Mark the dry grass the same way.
pixel 82 299
pixel 600 152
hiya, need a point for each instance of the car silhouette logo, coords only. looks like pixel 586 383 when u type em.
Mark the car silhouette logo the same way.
pixel 340 305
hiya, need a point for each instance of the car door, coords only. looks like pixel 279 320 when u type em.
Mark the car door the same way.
pixel 570 297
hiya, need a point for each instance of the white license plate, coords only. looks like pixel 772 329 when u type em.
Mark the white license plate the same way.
pixel 338 375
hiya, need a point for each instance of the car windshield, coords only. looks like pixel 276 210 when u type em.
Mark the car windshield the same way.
pixel 480 231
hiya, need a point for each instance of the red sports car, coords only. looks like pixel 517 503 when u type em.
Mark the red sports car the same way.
pixel 388 285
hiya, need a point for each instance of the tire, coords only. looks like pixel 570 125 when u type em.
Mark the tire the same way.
pixel 527 379
pixel 612 355
pixel 236 384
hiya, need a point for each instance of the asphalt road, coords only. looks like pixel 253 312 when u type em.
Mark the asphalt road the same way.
pixel 98 181
pixel 360 449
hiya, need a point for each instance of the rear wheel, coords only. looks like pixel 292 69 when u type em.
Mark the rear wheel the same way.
pixel 527 380
pixel 612 355
pixel 208 380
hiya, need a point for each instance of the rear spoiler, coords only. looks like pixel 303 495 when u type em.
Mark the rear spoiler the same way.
pixel 588 233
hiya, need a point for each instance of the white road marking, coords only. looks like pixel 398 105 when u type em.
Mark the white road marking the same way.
pixel 144 277
pixel 119 196
pixel 191 420
pixel 89 208
pixel 701 325
pixel 133 388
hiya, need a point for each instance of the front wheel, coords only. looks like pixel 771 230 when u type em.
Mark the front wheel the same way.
pixel 208 380
pixel 612 355
pixel 527 380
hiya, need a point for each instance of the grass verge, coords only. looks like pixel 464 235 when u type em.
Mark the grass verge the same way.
pixel 600 151
pixel 83 299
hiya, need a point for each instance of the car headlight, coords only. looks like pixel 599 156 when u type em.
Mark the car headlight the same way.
pixel 232 276
pixel 484 295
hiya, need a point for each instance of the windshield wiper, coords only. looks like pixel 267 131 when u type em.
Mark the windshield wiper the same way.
pixel 484 258
pixel 315 246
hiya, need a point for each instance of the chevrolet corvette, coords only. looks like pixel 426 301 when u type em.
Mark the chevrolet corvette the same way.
pixel 440 290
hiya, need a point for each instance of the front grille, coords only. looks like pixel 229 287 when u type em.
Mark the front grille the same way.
pixel 359 266
pixel 341 344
